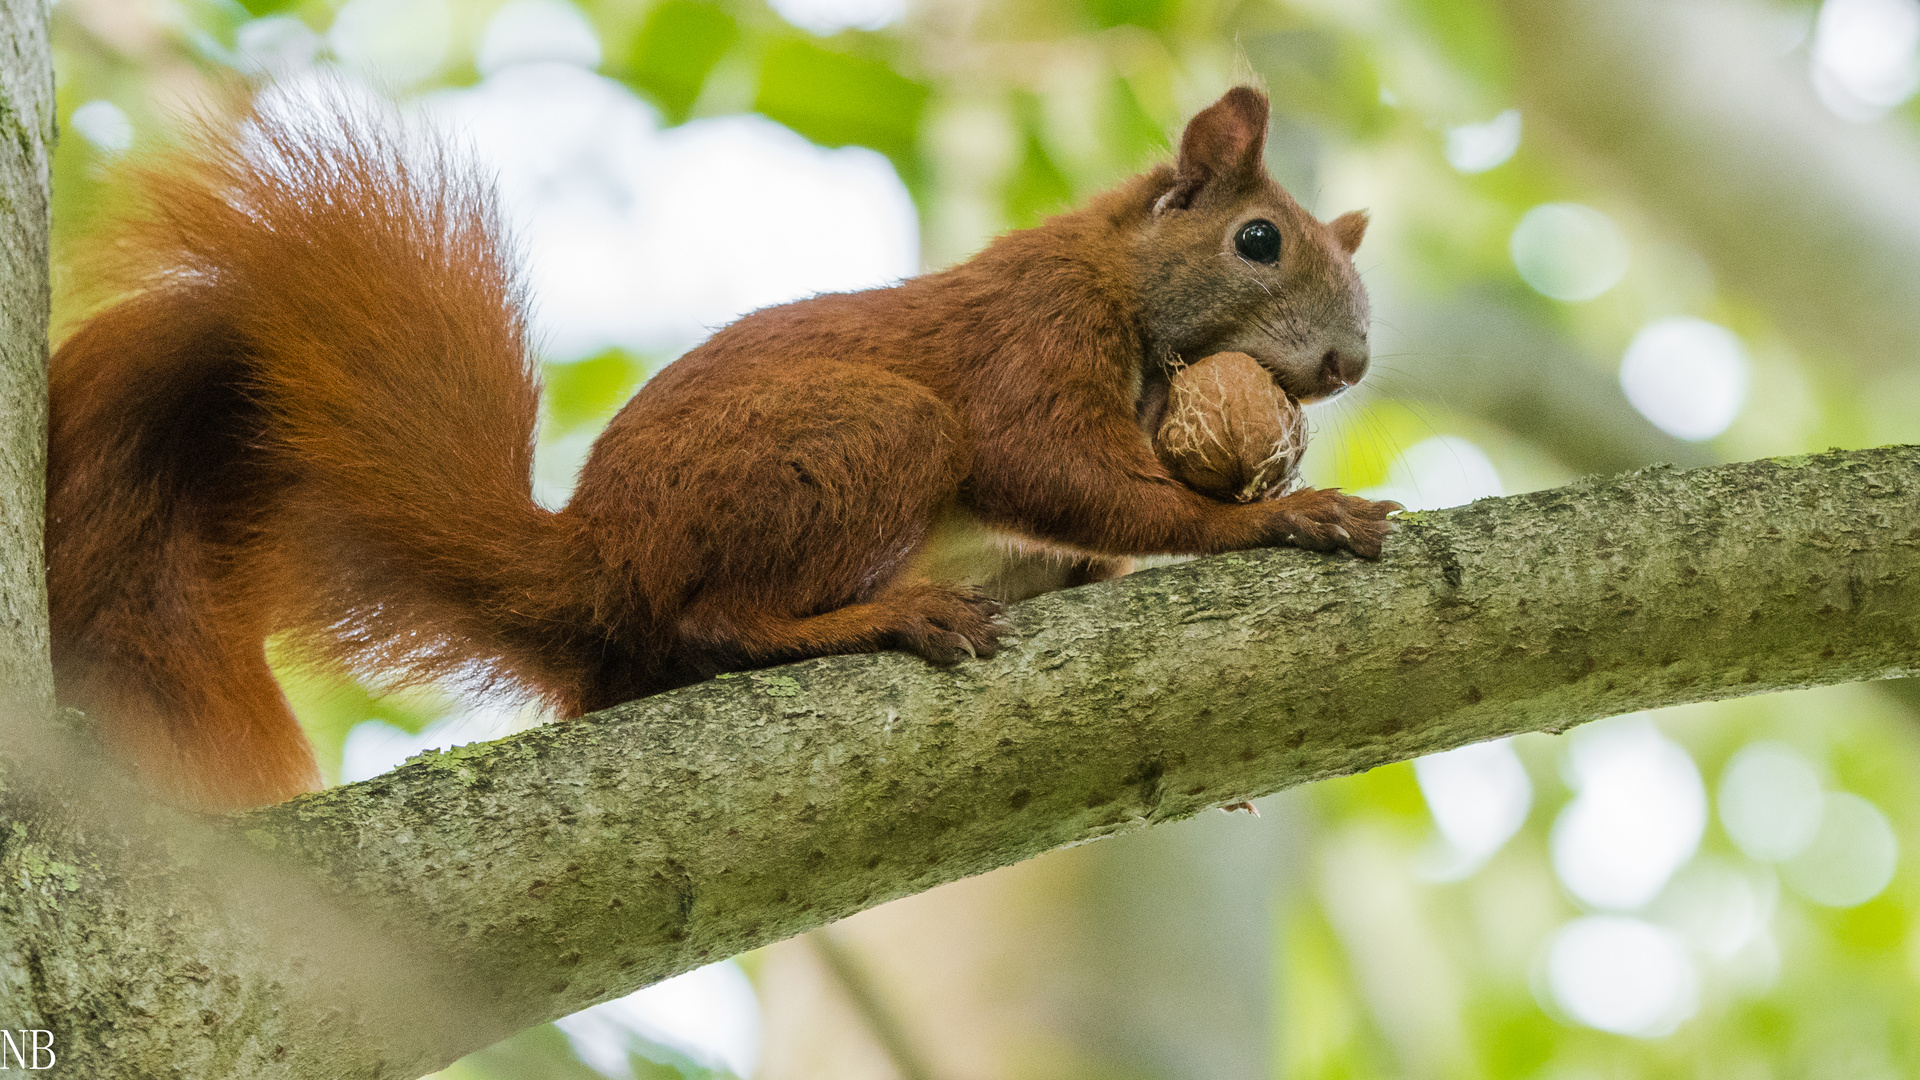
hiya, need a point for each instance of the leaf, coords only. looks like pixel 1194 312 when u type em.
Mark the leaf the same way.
pixel 1038 187
pixel 1152 14
pixel 676 51
pixel 838 99
pixel 259 8
pixel 1133 136
pixel 590 390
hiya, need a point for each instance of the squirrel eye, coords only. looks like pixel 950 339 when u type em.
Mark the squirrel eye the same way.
pixel 1259 241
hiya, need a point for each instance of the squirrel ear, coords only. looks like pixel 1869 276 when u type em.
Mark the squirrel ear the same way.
pixel 1348 228
pixel 1224 143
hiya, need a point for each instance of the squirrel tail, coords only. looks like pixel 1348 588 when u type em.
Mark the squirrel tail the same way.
pixel 310 413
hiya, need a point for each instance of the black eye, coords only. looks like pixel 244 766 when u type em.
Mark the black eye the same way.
pixel 1259 241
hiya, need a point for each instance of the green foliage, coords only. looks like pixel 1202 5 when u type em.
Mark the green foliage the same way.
pixel 259 8
pixel 676 50
pixel 1152 14
pixel 1472 33
pixel 1843 988
pixel 1133 136
pixel 538 1053
pixel 1324 1031
pixel 1513 1036
pixel 840 98
pixel 330 705
pixel 590 391
pixel 1037 188
pixel 1874 931
pixel 1387 794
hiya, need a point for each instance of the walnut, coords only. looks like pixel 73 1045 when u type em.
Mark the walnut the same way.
pixel 1230 431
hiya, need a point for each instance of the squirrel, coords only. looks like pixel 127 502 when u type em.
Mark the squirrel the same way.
pixel 310 413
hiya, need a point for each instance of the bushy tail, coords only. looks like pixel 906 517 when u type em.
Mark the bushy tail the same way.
pixel 311 412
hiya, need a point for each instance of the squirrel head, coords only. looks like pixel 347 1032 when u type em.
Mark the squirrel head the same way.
pixel 1227 261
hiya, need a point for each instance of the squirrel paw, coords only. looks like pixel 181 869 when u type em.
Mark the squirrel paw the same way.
pixel 1323 519
pixel 946 624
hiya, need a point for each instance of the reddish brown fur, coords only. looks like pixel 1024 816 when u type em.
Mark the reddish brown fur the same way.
pixel 314 414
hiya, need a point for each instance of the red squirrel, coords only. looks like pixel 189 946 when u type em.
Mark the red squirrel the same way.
pixel 311 413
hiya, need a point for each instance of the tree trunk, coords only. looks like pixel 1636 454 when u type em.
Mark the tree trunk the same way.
pixel 26 140
pixel 382 929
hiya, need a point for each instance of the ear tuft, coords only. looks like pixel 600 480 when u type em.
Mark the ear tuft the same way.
pixel 1348 228
pixel 1222 145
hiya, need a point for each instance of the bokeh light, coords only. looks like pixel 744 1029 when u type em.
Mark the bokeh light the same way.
pixel 1475 148
pixel 1687 375
pixel 710 1016
pixel 532 31
pixel 275 45
pixel 1439 471
pixel 1622 975
pixel 649 239
pixel 103 124
pixel 373 747
pixel 1866 55
pixel 1851 858
pixel 1720 908
pixel 1569 251
pixel 833 16
pixel 395 42
pixel 1637 815
pixel 1479 796
pixel 1770 801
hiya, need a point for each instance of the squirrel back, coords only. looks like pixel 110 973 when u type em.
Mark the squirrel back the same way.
pixel 311 415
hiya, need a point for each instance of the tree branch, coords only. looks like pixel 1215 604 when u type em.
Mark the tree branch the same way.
pixel 575 862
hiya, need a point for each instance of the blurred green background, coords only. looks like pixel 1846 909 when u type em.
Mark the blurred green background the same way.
pixel 1606 233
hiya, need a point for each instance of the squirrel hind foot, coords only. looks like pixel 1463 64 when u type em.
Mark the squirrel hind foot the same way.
pixel 945 624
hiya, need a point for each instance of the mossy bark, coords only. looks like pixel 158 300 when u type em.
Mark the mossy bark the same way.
pixel 26 139
pixel 382 929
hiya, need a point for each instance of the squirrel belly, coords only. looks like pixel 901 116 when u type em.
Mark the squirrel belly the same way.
pixel 311 416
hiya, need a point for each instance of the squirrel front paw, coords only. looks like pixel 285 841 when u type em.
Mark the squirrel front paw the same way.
pixel 1323 519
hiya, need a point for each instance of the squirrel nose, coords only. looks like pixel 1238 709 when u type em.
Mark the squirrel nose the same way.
pixel 1342 369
